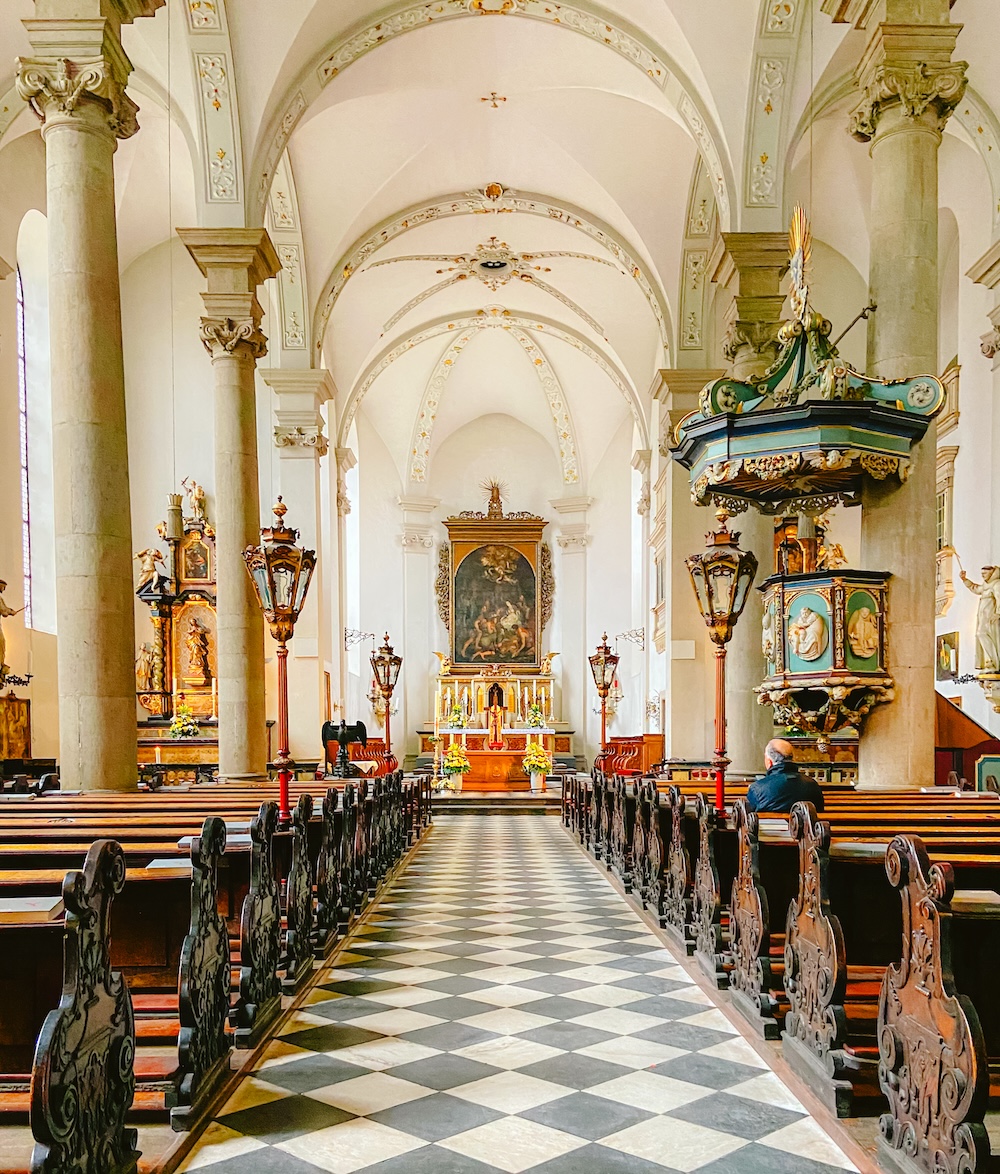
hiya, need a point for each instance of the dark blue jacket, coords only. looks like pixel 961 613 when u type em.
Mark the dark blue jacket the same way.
pixel 782 786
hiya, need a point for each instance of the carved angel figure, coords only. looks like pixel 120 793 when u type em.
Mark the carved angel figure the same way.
pixel 545 668
pixel 987 619
pixel 767 634
pixel 148 570
pixel 831 556
pixel 144 669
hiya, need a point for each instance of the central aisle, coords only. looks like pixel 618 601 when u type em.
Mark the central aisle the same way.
pixel 505 1009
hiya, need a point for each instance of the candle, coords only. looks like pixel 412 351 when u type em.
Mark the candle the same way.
pixel 174 689
pixel 215 697
pixel 534 692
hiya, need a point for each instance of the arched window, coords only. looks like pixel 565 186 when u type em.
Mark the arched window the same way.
pixel 35 404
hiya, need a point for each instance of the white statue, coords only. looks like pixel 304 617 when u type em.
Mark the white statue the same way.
pixel 144 669
pixel 148 570
pixel 862 633
pixel 545 667
pixel 5 613
pixel 807 634
pixel 987 619
pixel 831 557
pixel 196 499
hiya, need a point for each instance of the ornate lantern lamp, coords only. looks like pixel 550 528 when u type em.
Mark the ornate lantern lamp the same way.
pixel 721 577
pixel 604 666
pixel 386 665
pixel 281 573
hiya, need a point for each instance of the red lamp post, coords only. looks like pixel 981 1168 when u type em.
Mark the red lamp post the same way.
pixel 281 572
pixel 721 578
pixel 604 665
pixel 386 665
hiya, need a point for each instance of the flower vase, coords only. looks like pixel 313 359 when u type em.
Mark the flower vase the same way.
pixel 537 781
pixel 456 780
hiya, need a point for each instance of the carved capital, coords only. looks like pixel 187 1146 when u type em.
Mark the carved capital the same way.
pixel 917 88
pixel 416 540
pixel 989 343
pixel 59 88
pixel 758 338
pixel 230 336
pixel 573 542
pixel 309 437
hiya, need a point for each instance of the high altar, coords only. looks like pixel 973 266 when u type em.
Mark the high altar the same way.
pixel 495 689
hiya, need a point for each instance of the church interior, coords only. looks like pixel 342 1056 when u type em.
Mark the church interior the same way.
pixel 499 614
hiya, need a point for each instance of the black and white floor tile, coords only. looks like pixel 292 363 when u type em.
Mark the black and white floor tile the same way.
pixel 504 1009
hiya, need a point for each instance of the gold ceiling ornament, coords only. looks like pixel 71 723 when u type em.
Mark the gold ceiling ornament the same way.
pixel 495 7
pixel 495 263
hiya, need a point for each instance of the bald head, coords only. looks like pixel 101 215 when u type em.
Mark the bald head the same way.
pixel 777 750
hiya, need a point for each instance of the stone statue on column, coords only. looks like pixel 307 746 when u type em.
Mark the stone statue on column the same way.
pixel 987 619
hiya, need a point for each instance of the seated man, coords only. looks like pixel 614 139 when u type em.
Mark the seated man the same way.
pixel 781 785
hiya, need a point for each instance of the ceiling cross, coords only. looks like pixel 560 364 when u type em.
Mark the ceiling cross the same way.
pixel 494 99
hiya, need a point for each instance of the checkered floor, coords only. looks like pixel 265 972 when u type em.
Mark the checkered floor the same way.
pixel 505 1009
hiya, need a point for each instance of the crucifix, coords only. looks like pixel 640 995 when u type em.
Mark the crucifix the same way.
pixel 494 99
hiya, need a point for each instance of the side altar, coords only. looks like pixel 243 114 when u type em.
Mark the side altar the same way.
pixel 495 691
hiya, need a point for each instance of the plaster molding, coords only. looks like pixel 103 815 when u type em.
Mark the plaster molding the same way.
pixel 307 437
pixel 423 428
pixel 345 461
pixel 584 18
pixel 492 317
pixel 285 227
pixel 494 198
pixel 298 386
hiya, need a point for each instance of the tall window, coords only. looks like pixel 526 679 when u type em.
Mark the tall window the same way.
pixel 22 407
pixel 35 404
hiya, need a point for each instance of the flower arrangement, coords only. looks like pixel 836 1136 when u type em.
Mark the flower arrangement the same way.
pixel 183 725
pixel 535 718
pixel 457 719
pixel 455 761
pixel 536 761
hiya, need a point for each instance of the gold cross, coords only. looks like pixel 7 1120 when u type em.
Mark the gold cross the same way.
pixel 494 100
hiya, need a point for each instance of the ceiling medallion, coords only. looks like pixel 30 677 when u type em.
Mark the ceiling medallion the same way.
pixel 494 263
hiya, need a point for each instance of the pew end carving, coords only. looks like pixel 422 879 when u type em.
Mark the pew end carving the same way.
pixel 677 878
pixel 83 1079
pixel 710 945
pixel 259 1002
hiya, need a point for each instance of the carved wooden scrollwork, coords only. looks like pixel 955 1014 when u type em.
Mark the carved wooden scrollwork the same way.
pixel 751 979
pixel 597 813
pixel 655 850
pixel 203 977
pixel 328 878
pixel 815 960
pixel 640 853
pixel 706 897
pixel 932 1056
pixel 347 841
pixel 260 936
pixel 299 901
pixel 677 875
pixel 361 845
pixel 83 1078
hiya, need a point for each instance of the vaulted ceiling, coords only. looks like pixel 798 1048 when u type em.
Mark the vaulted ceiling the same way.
pixel 484 203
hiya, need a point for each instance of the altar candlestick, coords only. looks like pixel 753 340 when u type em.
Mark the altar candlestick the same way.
pixel 534 692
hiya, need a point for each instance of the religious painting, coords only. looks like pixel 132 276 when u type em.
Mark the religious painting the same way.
pixel 946 661
pixel 15 726
pixel 196 561
pixel 495 607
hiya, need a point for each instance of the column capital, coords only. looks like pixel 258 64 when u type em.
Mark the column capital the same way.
pixel 418 530
pixel 574 532
pixel 750 265
pixel 300 395
pixel 678 390
pixel 235 261
pixel 79 70
pixel 907 69
pixel 986 271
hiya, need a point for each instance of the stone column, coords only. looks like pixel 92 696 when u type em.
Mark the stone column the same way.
pixel 301 443
pixel 235 262
pixel 690 666
pixel 416 705
pixel 909 87
pixel 576 682
pixel 337 584
pixel 986 271
pixel 75 83
pixel 750 265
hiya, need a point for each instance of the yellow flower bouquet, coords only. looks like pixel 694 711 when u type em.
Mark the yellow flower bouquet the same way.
pixel 536 761
pixel 455 761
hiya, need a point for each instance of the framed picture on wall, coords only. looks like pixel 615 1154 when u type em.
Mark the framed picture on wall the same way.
pixel 946 661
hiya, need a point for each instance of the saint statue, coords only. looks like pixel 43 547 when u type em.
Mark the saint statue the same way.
pixel 196 499
pixel 987 619
pixel 196 642
pixel 862 633
pixel 767 634
pixel 5 613
pixel 144 669
pixel 807 634
pixel 148 570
